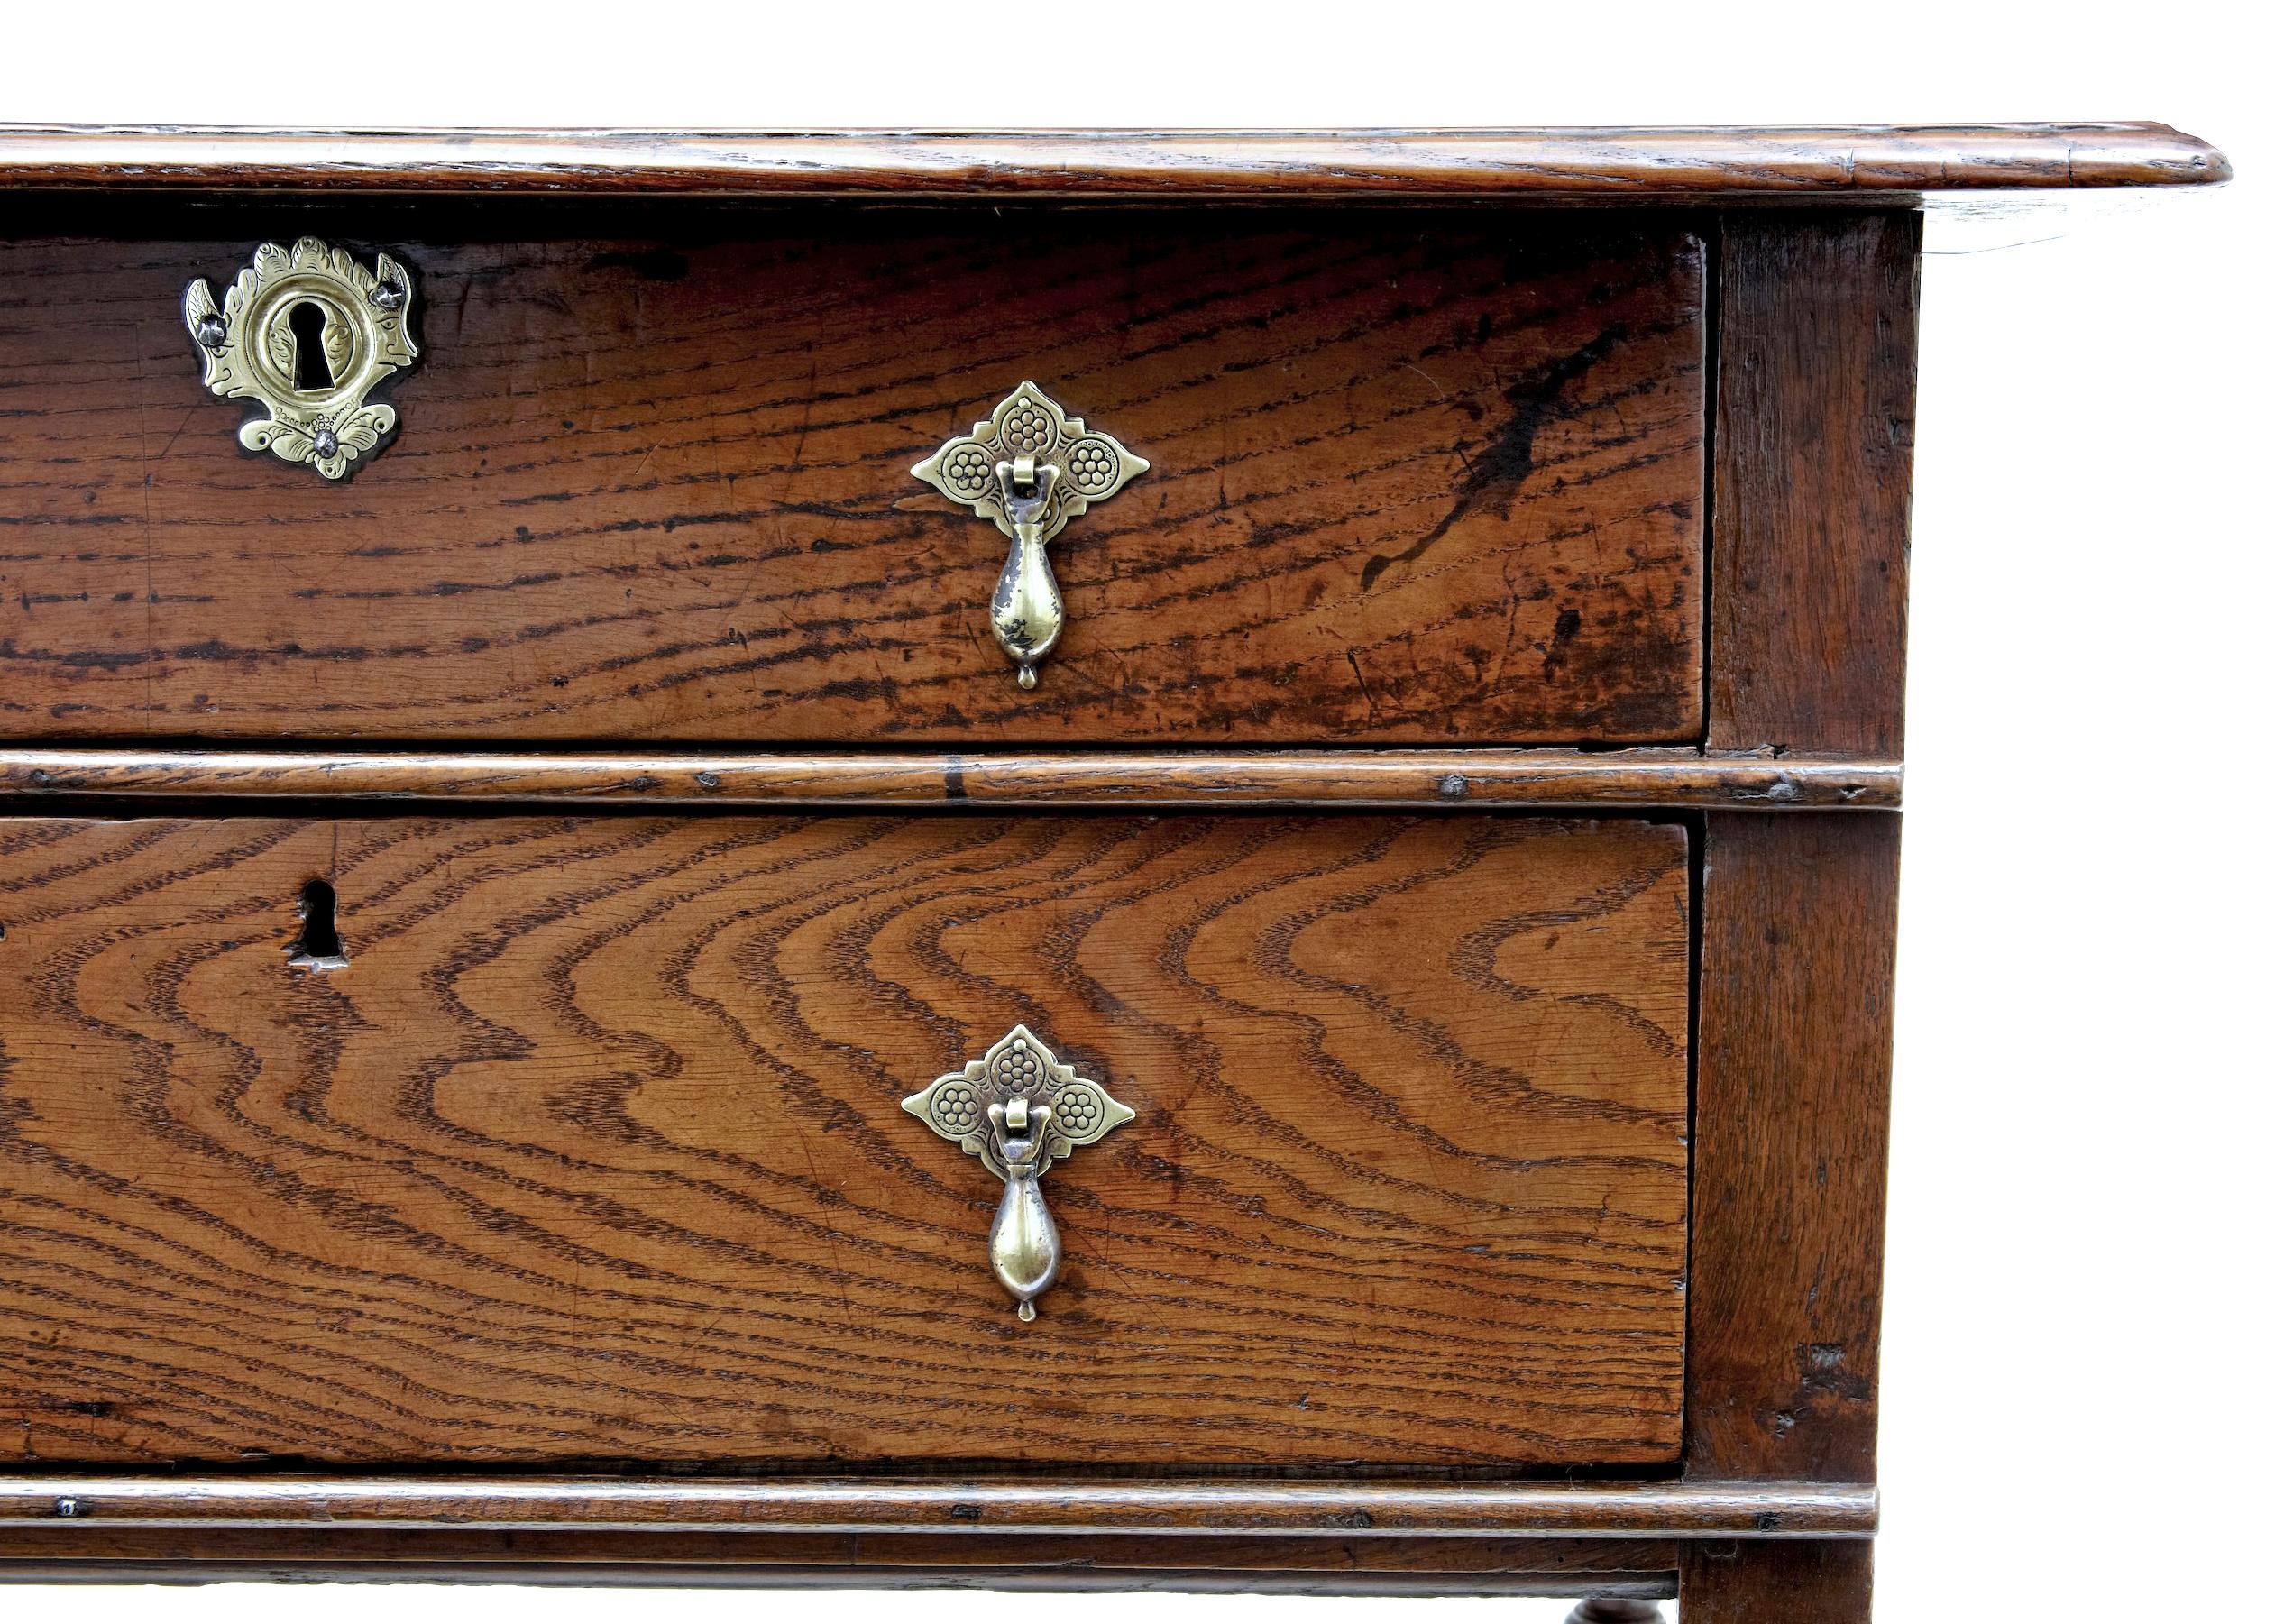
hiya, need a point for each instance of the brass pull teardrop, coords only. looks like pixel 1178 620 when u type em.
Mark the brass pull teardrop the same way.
pixel 1030 467
pixel 1026 612
pixel 1019 1109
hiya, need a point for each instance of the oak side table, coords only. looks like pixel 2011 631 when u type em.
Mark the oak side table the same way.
pixel 1054 860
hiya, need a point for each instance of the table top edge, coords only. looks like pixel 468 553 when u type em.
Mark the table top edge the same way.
pixel 1705 164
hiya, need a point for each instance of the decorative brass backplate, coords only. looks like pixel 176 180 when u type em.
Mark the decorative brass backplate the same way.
pixel 1030 467
pixel 1019 1109
pixel 309 334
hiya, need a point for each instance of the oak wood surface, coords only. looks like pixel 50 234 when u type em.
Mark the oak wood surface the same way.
pixel 1777 1581
pixel 1796 964
pixel 1317 777
pixel 594 1148
pixel 1812 481
pixel 1549 163
pixel 988 1511
pixel 1797 925
pixel 1418 476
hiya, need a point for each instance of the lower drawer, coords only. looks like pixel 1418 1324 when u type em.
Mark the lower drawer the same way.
pixel 592 1147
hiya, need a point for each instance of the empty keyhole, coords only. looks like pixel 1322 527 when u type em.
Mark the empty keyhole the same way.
pixel 311 368
pixel 317 946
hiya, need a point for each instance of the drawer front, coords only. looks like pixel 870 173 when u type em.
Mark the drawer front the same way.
pixel 593 1147
pixel 1415 476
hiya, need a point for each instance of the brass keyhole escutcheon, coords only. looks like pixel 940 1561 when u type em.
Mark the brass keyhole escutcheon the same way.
pixel 307 332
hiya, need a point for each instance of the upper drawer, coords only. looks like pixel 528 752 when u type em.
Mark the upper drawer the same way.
pixel 595 1148
pixel 1415 476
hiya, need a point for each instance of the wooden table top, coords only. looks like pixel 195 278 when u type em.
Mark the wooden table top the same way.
pixel 1704 164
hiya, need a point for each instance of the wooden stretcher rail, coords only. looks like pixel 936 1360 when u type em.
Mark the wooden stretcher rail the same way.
pixel 1128 1506
pixel 1364 778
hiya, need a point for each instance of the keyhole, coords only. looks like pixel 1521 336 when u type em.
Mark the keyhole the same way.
pixel 317 946
pixel 311 368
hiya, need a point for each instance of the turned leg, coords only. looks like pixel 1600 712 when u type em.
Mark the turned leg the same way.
pixel 1777 1581
pixel 1611 1609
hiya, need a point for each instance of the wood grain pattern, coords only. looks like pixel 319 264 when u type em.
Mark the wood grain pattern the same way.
pixel 593 1150
pixel 987 1511
pixel 1315 777
pixel 1796 962
pixel 1418 476
pixel 1797 926
pixel 1812 481
pixel 1547 163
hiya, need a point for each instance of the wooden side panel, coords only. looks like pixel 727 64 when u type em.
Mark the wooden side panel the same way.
pixel 1812 481
pixel 1420 476
pixel 1797 915
pixel 1796 956
pixel 593 1147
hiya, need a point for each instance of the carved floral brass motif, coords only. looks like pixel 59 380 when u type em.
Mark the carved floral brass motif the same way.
pixel 1019 1109
pixel 1030 467
pixel 309 334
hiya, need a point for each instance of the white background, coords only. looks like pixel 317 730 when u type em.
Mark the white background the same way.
pixel 2074 1349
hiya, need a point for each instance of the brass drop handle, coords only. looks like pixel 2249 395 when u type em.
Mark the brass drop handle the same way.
pixel 1026 613
pixel 1019 1109
pixel 1030 467
pixel 1023 1243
